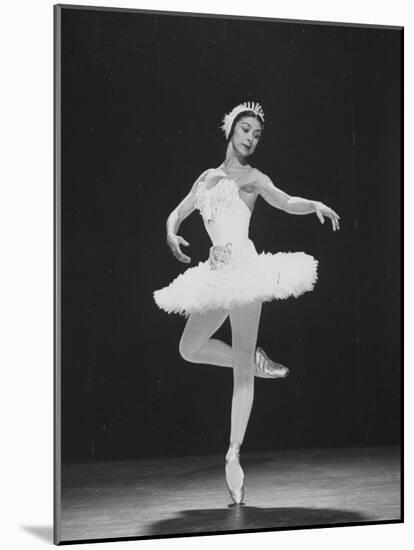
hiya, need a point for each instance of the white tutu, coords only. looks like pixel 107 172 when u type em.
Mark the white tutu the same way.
pixel 234 273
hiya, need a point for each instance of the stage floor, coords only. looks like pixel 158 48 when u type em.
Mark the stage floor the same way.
pixel 188 495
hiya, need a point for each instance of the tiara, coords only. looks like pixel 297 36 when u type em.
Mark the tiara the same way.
pixel 247 106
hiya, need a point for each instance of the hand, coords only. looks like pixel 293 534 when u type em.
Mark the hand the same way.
pixel 322 210
pixel 174 242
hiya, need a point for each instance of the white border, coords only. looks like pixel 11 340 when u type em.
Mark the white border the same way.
pixel 26 290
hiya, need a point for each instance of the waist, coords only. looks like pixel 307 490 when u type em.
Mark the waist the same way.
pixel 222 233
pixel 231 253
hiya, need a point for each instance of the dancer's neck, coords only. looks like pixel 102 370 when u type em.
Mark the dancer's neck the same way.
pixel 234 165
pixel 233 160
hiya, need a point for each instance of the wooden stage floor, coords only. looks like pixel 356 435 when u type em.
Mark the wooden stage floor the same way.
pixel 188 495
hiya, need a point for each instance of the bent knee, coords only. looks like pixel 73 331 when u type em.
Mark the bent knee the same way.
pixel 187 352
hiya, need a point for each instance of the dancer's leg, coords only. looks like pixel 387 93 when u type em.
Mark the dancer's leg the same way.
pixel 245 326
pixel 196 344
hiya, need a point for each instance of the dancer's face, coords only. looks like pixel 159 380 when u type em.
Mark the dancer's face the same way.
pixel 246 135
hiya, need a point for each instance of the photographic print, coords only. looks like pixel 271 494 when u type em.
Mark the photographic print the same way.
pixel 228 230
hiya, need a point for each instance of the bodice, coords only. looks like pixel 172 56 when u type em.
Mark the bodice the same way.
pixel 226 216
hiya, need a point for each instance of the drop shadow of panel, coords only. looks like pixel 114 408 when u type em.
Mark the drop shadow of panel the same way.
pixel 42 532
pixel 241 517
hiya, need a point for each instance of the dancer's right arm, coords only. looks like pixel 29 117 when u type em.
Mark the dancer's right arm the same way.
pixel 180 212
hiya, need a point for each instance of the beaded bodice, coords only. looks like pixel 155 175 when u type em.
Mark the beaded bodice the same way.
pixel 226 216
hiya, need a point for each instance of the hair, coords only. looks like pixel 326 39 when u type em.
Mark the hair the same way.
pixel 242 115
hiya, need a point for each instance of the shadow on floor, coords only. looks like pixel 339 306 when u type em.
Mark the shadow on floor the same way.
pixel 241 517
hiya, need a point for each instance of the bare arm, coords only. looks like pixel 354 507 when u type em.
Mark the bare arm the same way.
pixel 180 212
pixel 293 205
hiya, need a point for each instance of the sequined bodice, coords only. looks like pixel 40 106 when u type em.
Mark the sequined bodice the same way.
pixel 226 216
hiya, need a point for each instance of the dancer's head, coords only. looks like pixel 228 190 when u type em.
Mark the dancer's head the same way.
pixel 243 127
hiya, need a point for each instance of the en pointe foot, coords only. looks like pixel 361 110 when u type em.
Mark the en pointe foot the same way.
pixel 234 474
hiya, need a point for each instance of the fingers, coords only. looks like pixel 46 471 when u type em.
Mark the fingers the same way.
pixel 174 245
pixel 335 222
pixel 334 219
pixel 329 213
pixel 183 258
pixel 320 216
pixel 180 256
pixel 183 241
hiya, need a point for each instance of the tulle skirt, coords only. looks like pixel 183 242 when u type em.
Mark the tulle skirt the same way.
pixel 234 276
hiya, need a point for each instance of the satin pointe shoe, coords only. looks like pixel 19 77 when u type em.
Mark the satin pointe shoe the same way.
pixel 266 368
pixel 234 473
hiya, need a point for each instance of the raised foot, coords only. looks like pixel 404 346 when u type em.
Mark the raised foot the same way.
pixel 266 368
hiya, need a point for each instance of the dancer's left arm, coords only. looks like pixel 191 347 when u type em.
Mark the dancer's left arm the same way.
pixel 293 205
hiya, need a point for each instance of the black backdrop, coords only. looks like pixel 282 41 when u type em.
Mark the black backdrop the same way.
pixel 143 96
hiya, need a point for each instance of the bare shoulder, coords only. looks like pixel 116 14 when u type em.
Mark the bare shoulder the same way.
pixel 259 179
pixel 200 178
pixel 265 187
pixel 258 174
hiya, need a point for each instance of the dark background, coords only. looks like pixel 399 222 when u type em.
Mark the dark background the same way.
pixel 143 96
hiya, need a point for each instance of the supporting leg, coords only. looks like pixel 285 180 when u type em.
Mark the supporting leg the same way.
pixel 245 326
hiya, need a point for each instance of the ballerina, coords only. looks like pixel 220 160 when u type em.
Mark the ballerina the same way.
pixel 235 280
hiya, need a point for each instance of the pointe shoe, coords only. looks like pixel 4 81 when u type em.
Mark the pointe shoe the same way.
pixel 266 368
pixel 234 474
